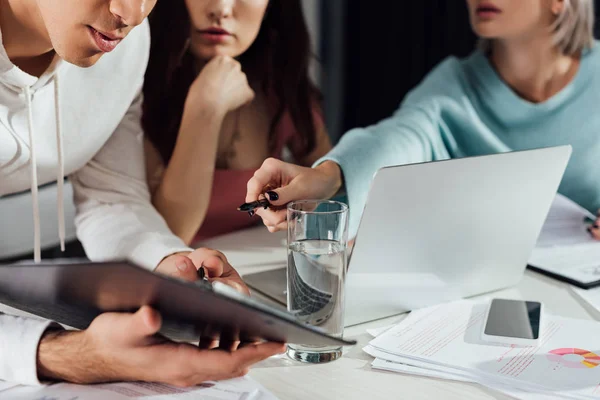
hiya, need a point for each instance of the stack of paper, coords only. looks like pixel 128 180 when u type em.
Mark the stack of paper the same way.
pixel 445 342
pixel 590 296
pixel 234 389
pixel 565 224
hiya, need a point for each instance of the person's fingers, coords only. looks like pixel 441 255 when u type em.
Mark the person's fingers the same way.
pixel 274 220
pixel 181 267
pixel 218 364
pixel 214 262
pixel 238 285
pixel 132 329
pixel 280 197
pixel 206 252
pixel 229 345
pixel 594 230
pixel 247 340
pixel 271 217
pixel 281 227
pixel 214 266
pixel 275 180
pixel 208 343
pixel 256 185
pixel 246 343
pixel 229 364
pixel 229 342
pixel 251 354
pixel 288 189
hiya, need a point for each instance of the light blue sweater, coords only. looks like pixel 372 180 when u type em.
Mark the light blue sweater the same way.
pixel 463 108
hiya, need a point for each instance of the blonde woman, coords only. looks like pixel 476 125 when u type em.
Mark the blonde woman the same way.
pixel 534 82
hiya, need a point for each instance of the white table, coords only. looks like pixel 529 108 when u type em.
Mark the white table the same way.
pixel 351 377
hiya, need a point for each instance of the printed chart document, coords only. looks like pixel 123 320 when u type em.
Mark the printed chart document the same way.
pixel 235 389
pixel 445 341
pixel 449 375
pixel 565 249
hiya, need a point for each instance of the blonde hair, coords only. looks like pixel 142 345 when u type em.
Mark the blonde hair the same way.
pixel 573 29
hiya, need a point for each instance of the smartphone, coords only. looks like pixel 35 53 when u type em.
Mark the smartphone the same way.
pixel 515 322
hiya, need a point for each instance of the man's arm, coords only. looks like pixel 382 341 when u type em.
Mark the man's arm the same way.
pixel 115 218
pixel 57 351
pixel 127 347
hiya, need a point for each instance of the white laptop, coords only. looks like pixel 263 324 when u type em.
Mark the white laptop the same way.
pixel 441 231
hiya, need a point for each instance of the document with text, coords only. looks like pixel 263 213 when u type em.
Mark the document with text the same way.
pixel 235 389
pixel 565 248
pixel 566 362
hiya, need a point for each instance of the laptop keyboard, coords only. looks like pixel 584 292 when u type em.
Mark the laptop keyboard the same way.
pixel 307 300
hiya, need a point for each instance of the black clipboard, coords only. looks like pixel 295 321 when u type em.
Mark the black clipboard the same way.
pixel 562 278
pixel 74 293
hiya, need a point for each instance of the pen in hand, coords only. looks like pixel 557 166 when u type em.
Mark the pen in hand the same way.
pixel 250 207
pixel 202 274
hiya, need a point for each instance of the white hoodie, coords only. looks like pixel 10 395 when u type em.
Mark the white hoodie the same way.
pixel 83 123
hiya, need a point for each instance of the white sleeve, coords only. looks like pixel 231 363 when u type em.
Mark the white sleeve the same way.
pixel 115 218
pixel 19 339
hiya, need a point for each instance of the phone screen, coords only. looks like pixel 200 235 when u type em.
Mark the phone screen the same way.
pixel 514 318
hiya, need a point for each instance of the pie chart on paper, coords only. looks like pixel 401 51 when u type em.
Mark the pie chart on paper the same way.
pixel 574 358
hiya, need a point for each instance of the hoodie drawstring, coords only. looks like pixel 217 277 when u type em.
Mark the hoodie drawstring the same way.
pixel 60 172
pixel 37 251
pixel 37 248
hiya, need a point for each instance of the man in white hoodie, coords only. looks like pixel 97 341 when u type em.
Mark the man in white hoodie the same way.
pixel 71 75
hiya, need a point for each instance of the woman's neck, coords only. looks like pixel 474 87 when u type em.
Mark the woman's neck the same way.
pixel 535 69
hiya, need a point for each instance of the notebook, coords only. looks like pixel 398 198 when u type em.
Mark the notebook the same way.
pixel 565 250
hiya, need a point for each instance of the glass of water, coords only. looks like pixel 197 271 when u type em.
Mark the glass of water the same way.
pixel 316 272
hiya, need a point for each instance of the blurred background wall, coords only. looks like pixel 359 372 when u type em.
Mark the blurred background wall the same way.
pixel 372 52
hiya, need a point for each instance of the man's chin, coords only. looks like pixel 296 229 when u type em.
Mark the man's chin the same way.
pixel 85 61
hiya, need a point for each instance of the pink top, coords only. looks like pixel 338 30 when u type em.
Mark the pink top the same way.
pixel 229 188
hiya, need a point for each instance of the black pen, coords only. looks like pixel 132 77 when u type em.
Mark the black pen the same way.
pixel 202 274
pixel 250 207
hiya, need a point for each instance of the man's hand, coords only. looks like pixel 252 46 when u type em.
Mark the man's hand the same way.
pixel 126 347
pixel 215 264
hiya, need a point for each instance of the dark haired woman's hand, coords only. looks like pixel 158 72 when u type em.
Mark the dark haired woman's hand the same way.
pixel 282 183
pixel 221 84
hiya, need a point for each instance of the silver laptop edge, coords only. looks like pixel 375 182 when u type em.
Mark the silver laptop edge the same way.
pixel 440 231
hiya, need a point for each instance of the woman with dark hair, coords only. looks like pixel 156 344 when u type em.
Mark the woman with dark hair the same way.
pixel 227 87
